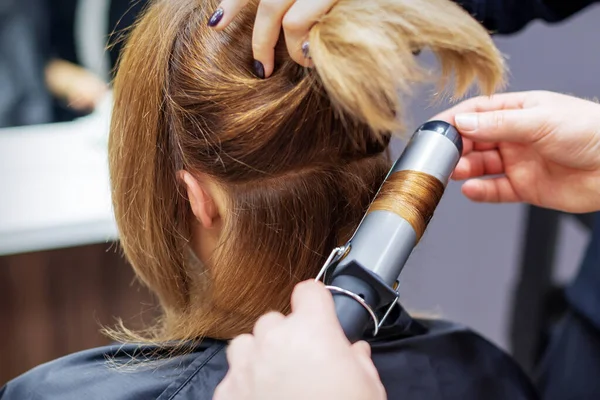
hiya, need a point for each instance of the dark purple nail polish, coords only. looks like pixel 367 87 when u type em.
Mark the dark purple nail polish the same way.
pixel 215 18
pixel 259 69
pixel 305 50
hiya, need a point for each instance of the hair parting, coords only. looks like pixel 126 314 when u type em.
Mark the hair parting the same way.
pixel 299 155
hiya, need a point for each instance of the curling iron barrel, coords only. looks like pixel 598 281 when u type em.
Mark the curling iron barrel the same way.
pixel 363 274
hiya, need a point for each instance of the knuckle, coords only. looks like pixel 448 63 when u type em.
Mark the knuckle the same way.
pixel 258 46
pixel 239 342
pixel 302 289
pixel 267 323
pixel 220 392
pixel 292 23
pixel 498 120
pixel 261 320
pixel 546 126
pixel 270 6
pixel 534 97
pixel 275 338
pixel 542 93
pixel 306 285
pixel 267 318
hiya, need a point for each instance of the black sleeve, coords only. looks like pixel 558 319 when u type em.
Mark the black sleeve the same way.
pixel 510 16
pixel 123 14
pixel 62 29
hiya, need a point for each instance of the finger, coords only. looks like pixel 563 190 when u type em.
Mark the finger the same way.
pixel 301 16
pixel 479 163
pixel 226 390
pixel 234 385
pixel 223 391
pixel 497 190
pixel 460 171
pixel 483 146
pixel 225 13
pixel 267 323
pixel 240 351
pixel 518 126
pixel 362 347
pixel 367 365
pixel 469 146
pixel 362 350
pixel 313 299
pixel 504 101
pixel 267 27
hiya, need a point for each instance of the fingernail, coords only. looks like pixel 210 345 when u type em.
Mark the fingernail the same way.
pixel 466 122
pixel 305 50
pixel 259 69
pixel 215 18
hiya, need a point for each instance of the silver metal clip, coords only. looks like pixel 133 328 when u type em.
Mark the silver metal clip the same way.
pixel 336 256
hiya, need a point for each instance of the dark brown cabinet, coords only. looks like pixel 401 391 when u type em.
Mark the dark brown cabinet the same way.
pixel 53 303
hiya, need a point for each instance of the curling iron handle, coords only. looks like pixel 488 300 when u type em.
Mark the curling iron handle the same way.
pixel 352 315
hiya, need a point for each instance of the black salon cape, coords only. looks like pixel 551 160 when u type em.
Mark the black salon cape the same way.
pixel 426 360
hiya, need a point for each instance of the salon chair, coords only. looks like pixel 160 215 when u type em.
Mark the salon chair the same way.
pixel 537 301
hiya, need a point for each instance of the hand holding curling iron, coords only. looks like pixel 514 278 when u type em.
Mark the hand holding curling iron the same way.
pixel 302 356
pixel 545 145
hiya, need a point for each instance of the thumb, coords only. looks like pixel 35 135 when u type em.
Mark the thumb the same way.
pixel 518 126
pixel 311 298
pixel 362 347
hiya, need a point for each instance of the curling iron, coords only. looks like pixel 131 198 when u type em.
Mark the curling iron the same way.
pixel 363 275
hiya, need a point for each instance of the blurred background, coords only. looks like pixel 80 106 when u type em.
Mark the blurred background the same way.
pixel 496 268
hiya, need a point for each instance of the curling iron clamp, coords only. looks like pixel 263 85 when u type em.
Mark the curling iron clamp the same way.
pixel 363 274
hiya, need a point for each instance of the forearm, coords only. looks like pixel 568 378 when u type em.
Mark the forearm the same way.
pixel 510 16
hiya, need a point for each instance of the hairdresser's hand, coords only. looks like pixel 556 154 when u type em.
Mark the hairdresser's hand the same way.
pixel 79 88
pixel 295 16
pixel 302 356
pixel 545 145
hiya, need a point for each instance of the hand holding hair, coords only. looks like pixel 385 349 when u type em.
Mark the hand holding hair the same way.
pixel 545 145
pixel 295 17
pixel 302 356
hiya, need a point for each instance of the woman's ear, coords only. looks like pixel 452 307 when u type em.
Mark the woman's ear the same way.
pixel 201 200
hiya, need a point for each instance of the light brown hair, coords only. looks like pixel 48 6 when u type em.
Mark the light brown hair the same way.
pixel 300 155
pixel 412 195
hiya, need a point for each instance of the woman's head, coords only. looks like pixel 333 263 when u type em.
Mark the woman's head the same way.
pixel 229 189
